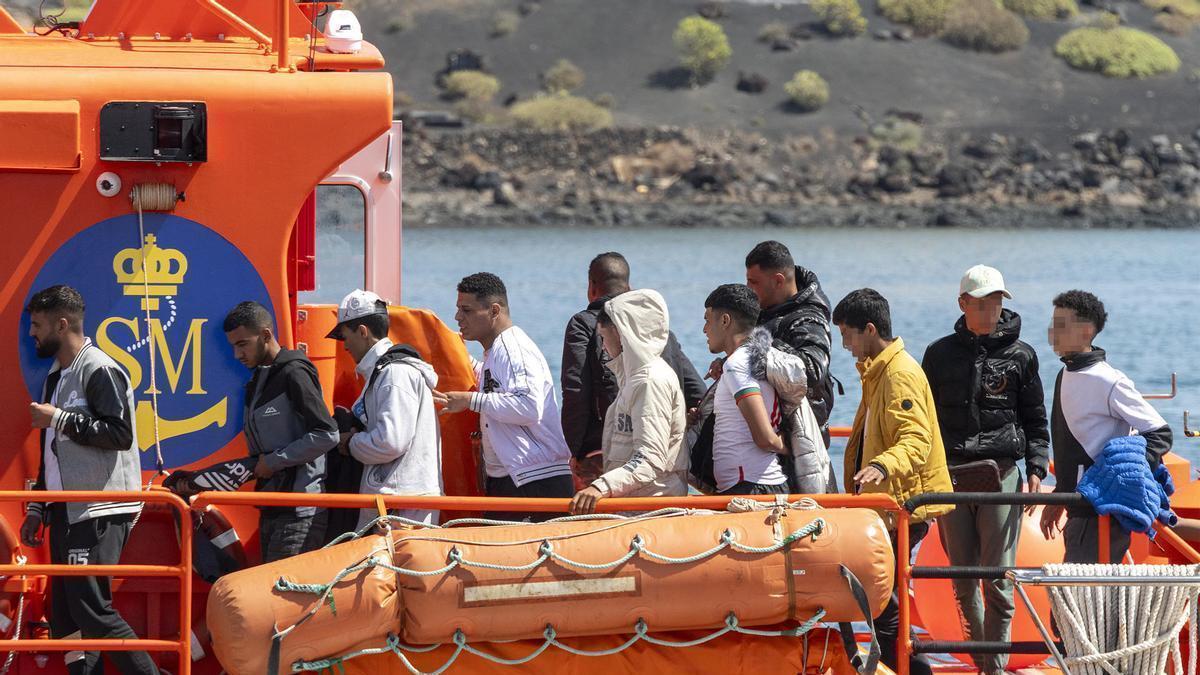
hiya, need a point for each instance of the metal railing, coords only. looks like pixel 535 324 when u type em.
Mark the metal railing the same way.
pixel 908 645
pixel 182 571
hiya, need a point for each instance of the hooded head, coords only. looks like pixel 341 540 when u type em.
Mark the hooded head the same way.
pixel 642 322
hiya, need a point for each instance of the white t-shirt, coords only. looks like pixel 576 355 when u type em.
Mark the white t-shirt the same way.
pixel 736 457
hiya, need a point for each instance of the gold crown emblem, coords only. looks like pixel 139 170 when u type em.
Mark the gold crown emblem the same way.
pixel 163 271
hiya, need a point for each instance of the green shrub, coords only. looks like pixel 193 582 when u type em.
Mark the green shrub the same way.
pixel 1188 8
pixel 562 76
pixel 479 111
pixel 807 90
pixel 1043 10
pixel 504 23
pixel 840 17
pixel 984 26
pixel 471 85
pixel 776 31
pixel 703 48
pixel 897 133
pixel 1174 24
pixel 1117 52
pixel 564 112
pixel 927 17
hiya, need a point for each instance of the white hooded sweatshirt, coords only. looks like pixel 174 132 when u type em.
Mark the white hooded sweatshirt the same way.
pixel 644 427
pixel 401 447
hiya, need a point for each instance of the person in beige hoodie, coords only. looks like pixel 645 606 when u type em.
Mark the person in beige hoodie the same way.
pixel 644 427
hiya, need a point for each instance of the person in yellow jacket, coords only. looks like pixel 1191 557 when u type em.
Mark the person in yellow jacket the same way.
pixel 644 427
pixel 895 444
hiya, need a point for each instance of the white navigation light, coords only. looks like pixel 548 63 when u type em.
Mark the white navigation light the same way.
pixel 343 33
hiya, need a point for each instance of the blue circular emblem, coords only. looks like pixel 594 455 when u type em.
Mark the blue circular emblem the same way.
pixel 193 277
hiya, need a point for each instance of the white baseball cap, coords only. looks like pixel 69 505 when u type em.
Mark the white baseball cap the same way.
pixel 981 281
pixel 356 305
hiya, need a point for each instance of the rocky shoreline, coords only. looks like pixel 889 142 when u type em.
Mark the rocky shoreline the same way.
pixel 888 177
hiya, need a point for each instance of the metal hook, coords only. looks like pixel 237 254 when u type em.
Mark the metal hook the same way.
pixel 1174 390
pixel 1189 433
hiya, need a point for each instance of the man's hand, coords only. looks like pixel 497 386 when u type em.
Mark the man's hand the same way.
pixel 31 530
pixel 180 482
pixel 43 414
pixel 714 369
pixel 1033 486
pixel 871 475
pixel 343 446
pixel 585 500
pixel 1051 520
pixel 452 401
pixel 261 470
pixel 693 416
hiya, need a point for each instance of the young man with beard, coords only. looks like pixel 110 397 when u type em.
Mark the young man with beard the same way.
pixel 524 453
pixel 588 386
pixel 1093 404
pixel 288 430
pixel 395 435
pixel 88 443
pixel 796 312
pixel 895 445
pixel 990 406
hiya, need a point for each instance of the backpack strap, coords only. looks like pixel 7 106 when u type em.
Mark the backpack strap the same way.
pixel 394 354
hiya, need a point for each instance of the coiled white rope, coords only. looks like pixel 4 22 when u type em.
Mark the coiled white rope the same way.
pixel 1125 629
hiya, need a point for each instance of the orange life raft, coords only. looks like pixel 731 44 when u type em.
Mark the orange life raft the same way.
pixel 581 578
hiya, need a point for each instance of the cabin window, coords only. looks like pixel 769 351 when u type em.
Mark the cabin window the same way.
pixel 340 244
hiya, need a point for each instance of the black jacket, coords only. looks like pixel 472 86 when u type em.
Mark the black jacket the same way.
pixel 989 396
pixel 1069 453
pixel 589 388
pixel 288 424
pixel 800 326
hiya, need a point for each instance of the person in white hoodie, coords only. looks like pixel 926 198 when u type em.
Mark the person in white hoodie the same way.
pixel 524 452
pixel 644 427
pixel 394 432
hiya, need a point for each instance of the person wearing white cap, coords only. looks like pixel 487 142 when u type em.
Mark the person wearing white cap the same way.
pixel 992 415
pixel 392 428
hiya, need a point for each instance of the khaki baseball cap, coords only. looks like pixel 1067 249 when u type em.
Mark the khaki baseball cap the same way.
pixel 981 281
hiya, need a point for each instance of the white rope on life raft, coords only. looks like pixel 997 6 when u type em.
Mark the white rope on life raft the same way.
pixel 1125 629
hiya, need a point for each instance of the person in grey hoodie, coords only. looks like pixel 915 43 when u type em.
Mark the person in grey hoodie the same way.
pixel 644 426
pixel 288 430
pixel 395 433
pixel 88 443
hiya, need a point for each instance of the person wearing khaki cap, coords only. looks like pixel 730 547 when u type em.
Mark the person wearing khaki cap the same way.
pixel 992 416
pixel 392 428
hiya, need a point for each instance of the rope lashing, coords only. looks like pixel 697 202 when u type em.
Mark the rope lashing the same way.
pixel 641 632
pixel 546 552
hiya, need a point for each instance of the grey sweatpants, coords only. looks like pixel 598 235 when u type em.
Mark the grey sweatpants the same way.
pixel 987 536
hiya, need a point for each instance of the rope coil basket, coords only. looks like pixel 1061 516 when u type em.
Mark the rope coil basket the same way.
pixel 1120 629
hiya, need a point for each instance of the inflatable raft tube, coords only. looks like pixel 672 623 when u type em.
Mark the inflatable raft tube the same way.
pixel 583 578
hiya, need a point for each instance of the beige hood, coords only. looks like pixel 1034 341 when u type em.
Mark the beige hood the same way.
pixel 643 323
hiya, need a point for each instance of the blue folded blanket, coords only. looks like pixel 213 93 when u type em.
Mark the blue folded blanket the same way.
pixel 1122 485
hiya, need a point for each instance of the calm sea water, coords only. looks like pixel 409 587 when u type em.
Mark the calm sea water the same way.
pixel 1149 281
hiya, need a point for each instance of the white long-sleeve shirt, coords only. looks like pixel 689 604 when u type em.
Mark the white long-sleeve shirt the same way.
pixel 521 426
pixel 401 444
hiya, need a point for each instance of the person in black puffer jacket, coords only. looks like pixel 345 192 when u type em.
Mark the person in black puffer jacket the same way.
pixel 796 313
pixel 990 405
